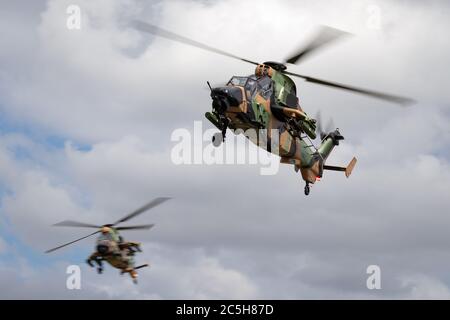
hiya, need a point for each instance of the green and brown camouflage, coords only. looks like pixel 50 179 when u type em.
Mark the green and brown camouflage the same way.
pixel 267 103
pixel 268 100
pixel 110 245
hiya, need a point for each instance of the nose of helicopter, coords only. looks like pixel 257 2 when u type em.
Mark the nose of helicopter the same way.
pixel 102 248
pixel 225 97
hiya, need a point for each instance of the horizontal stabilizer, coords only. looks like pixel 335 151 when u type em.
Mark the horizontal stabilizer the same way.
pixel 348 170
pixel 333 168
pixel 141 266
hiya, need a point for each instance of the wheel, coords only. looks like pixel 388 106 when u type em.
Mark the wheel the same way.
pixel 217 139
pixel 306 190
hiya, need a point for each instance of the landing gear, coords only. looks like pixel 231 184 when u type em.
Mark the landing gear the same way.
pixel 224 130
pixel 98 260
pixel 306 189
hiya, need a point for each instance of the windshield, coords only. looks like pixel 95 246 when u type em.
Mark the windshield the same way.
pixel 265 86
pixel 238 81
pixel 249 83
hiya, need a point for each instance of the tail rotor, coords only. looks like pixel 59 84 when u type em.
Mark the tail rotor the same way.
pixel 321 130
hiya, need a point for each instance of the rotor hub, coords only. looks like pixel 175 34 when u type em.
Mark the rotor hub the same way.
pixel 275 65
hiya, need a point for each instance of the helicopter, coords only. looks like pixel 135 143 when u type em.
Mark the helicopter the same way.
pixel 110 245
pixel 267 101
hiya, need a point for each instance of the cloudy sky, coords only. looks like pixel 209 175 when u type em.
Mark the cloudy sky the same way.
pixel 86 118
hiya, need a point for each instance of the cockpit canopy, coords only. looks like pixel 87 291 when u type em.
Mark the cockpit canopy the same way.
pixel 246 82
pixel 282 87
pixel 251 83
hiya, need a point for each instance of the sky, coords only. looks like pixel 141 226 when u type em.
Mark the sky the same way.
pixel 86 118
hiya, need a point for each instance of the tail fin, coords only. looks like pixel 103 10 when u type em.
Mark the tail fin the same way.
pixel 350 166
pixel 348 170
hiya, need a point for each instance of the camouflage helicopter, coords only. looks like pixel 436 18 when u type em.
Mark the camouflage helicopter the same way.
pixel 268 100
pixel 111 246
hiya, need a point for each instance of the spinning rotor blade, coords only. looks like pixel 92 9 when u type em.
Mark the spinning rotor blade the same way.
pixel 374 94
pixel 325 36
pixel 330 126
pixel 66 244
pixel 148 206
pixel 319 125
pixel 157 31
pixel 70 223
pixel 322 132
pixel 140 227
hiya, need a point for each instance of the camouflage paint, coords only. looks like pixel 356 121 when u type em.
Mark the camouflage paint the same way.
pixel 292 149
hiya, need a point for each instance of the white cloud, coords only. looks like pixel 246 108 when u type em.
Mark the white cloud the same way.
pixel 426 287
pixel 83 84
pixel 228 232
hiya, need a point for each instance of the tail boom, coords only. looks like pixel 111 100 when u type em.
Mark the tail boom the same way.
pixel 348 169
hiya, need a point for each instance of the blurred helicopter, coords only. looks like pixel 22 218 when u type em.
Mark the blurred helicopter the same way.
pixel 111 246
pixel 267 102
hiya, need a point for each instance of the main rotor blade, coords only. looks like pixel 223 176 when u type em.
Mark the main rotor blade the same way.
pixel 66 244
pixel 140 227
pixel 157 31
pixel 375 94
pixel 325 36
pixel 148 206
pixel 70 223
